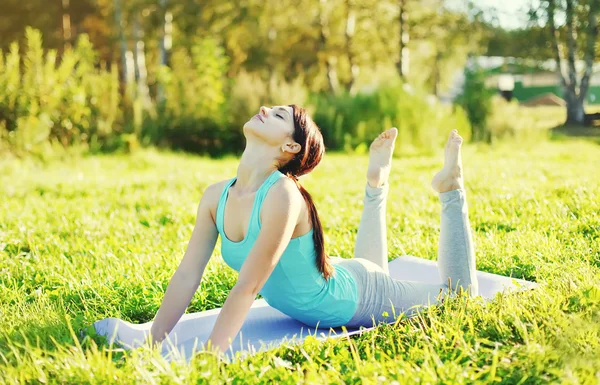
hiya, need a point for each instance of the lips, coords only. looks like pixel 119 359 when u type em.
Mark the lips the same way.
pixel 257 116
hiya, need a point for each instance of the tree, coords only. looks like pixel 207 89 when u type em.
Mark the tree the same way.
pixel 324 37
pixel 476 99
pixel 440 40
pixel 59 21
pixel 581 19
pixel 528 42
pixel 402 64
pixel 350 29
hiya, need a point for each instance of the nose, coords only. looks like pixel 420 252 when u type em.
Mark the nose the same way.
pixel 264 112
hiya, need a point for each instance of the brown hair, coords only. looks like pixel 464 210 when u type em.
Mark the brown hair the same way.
pixel 308 135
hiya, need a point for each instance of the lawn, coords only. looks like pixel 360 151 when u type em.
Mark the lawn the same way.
pixel 98 237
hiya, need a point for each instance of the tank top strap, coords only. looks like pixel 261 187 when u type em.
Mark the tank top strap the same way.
pixel 259 199
pixel 261 193
pixel 221 205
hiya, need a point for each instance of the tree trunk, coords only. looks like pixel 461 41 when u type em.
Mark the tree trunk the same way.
pixel 139 60
pixel 129 71
pixel 574 96
pixel 135 32
pixel 575 111
pixel 555 43
pixel 332 77
pixel 436 73
pixel 66 22
pixel 571 47
pixel 590 52
pixel 122 42
pixel 331 60
pixel 350 27
pixel 164 45
pixel 166 35
pixel 403 58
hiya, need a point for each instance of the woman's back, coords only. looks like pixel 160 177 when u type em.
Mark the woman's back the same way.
pixel 296 287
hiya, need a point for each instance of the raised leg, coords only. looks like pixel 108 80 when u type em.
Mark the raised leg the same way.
pixel 383 297
pixel 371 240
pixel 456 253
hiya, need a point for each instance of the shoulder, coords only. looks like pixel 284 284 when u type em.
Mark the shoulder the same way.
pixel 211 196
pixel 287 188
pixel 284 192
pixel 213 191
pixel 282 204
pixel 216 188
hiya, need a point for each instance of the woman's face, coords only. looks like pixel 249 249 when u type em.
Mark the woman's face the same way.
pixel 273 125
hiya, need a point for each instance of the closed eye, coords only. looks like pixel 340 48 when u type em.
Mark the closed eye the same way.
pixel 280 116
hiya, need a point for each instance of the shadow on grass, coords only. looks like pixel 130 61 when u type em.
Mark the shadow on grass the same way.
pixel 566 132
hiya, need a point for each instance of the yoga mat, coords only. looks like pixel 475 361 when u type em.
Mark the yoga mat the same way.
pixel 266 327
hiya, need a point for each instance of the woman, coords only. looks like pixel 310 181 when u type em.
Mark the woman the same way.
pixel 271 233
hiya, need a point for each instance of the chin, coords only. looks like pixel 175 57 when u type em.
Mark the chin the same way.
pixel 248 126
pixel 251 127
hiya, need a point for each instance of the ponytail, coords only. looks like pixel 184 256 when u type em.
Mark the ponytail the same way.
pixel 323 264
pixel 308 135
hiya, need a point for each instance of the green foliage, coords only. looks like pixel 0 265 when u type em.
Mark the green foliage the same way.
pixel 476 101
pixel 195 80
pixel 531 42
pixel 508 121
pixel 192 114
pixel 349 121
pixel 102 237
pixel 44 104
pixel 248 91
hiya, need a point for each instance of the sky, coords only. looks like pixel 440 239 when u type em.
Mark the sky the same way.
pixel 511 13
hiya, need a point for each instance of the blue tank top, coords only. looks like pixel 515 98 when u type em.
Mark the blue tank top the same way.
pixel 295 287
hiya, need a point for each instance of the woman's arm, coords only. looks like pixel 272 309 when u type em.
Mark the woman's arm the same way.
pixel 187 277
pixel 280 213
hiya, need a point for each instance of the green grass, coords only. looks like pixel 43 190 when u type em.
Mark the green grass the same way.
pixel 101 236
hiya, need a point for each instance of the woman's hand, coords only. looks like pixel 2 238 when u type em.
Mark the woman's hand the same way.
pixel 152 341
pixel 214 352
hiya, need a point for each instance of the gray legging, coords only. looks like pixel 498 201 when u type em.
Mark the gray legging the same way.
pixel 377 291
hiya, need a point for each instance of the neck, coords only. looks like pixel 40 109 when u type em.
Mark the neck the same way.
pixel 256 164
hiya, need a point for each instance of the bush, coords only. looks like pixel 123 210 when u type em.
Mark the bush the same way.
pixel 350 121
pixel 476 100
pixel 46 106
pixel 192 115
pixel 196 83
pixel 508 121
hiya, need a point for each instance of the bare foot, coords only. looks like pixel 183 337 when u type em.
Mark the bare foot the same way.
pixel 380 157
pixel 450 177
